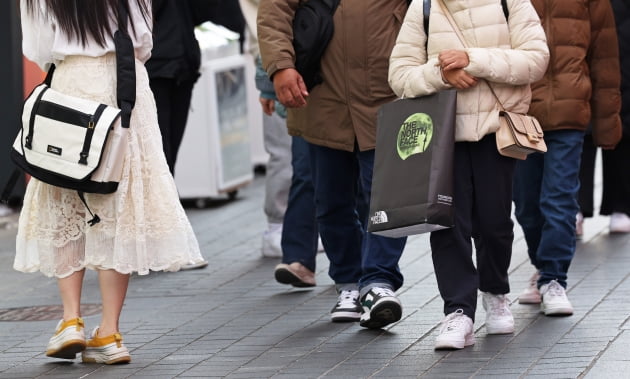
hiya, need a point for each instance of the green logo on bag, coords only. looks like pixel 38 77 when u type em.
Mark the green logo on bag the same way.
pixel 415 135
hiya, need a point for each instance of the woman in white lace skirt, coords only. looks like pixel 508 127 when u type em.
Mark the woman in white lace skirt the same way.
pixel 143 226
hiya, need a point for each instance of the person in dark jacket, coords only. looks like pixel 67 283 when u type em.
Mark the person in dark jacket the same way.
pixel 173 70
pixel 175 60
pixel 616 184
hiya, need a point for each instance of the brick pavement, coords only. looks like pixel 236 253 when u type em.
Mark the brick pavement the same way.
pixel 233 320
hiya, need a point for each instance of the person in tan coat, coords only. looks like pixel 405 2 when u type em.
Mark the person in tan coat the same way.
pixel 338 120
pixel 581 86
pixel 506 51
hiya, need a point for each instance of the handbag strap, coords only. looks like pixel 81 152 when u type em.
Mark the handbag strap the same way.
pixel 125 67
pixel 461 38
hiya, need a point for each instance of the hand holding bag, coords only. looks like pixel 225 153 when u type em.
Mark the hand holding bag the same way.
pixel 519 134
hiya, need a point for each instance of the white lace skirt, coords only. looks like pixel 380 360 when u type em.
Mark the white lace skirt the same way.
pixel 143 225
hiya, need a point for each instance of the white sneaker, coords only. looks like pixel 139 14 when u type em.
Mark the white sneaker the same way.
pixel 554 300
pixel 108 350
pixel 619 223
pixel 499 319
pixel 456 332
pixel 348 307
pixel 531 294
pixel 5 210
pixel 271 241
pixel 68 340
pixel 192 265
pixel 579 225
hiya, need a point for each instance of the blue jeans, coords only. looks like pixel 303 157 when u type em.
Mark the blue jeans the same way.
pixel 299 231
pixel 354 254
pixel 545 199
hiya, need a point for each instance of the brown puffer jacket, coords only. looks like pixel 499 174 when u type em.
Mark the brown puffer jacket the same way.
pixel 354 67
pixel 581 85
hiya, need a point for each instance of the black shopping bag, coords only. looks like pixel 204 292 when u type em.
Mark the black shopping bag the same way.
pixel 412 183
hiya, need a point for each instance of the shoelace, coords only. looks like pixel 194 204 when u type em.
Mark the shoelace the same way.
pixel 554 289
pixel 498 304
pixel 453 321
pixel 382 291
pixel 348 298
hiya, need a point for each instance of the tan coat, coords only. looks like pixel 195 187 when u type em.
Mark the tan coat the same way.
pixel 343 109
pixel 582 83
pixel 509 57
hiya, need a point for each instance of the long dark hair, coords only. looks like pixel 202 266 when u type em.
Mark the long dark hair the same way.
pixel 81 19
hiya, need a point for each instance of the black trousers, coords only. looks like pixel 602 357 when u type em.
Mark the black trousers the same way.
pixel 172 98
pixel 616 178
pixel 482 204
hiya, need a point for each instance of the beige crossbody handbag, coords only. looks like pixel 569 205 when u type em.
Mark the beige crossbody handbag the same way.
pixel 519 134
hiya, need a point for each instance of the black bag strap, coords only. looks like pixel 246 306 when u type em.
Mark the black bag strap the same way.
pixel 49 75
pixel 125 66
pixel 125 81
pixel 426 10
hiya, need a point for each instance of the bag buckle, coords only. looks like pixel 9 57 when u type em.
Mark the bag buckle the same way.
pixel 531 137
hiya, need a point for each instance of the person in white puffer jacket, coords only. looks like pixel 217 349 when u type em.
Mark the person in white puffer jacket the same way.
pixel 510 52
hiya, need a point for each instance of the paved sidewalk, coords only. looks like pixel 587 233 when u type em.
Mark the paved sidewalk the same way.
pixel 233 320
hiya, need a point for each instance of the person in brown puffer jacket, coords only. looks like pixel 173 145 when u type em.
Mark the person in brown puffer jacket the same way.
pixel 616 181
pixel 580 87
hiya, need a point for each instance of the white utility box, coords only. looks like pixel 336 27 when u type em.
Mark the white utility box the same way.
pixel 215 154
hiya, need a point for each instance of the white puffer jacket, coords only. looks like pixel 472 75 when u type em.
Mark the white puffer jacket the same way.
pixel 508 57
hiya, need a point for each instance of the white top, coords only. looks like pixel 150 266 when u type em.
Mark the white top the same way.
pixel 44 43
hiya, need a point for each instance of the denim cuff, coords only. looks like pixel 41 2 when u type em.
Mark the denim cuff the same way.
pixel 346 287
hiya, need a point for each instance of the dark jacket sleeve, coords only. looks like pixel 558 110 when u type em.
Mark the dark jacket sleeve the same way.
pixel 621 9
pixel 226 13
pixel 176 53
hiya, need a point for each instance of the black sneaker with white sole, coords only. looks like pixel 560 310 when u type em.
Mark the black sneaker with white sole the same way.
pixel 348 308
pixel 380 307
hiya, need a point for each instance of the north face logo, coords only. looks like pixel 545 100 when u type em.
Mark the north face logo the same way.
pixel 379 217
pixel 368 301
